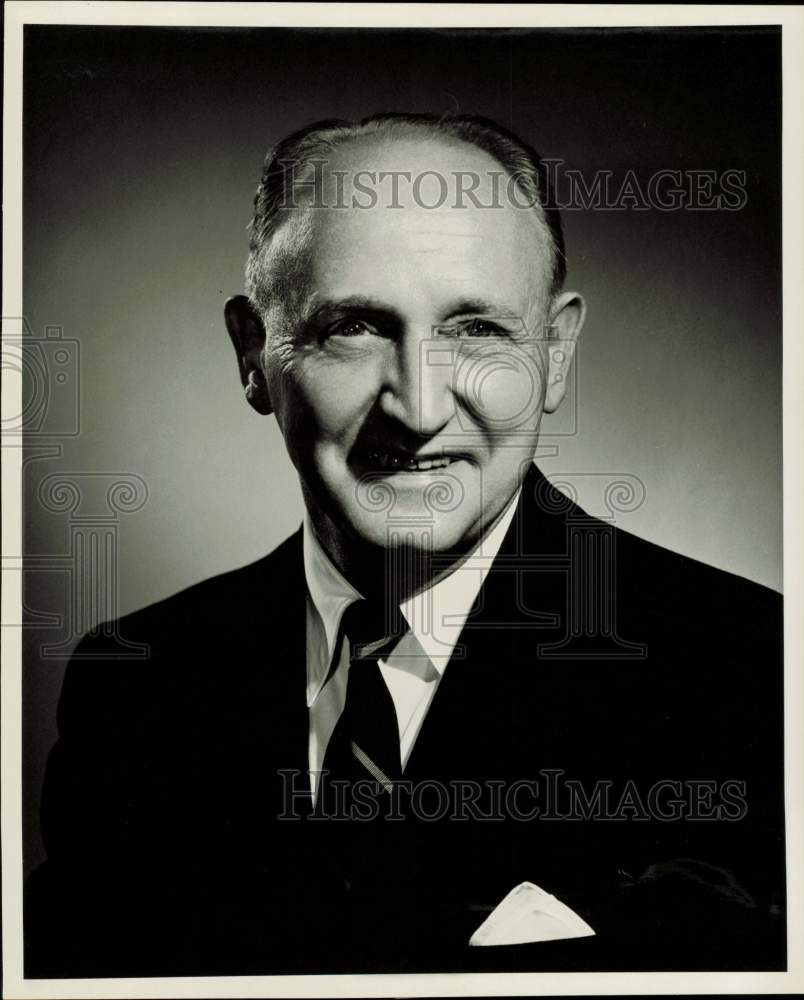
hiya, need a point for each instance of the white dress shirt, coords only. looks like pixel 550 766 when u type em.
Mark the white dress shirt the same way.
pixel 414 666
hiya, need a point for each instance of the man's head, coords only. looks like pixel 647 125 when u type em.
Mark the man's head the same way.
pixel 405 321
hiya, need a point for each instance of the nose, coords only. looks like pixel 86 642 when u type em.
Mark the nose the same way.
pixel 418 391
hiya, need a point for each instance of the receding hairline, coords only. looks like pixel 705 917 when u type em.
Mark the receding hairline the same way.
pixel 419 136
pixel 273 247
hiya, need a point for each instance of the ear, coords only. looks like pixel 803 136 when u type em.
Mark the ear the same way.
pixel 248 337
pixel 566 319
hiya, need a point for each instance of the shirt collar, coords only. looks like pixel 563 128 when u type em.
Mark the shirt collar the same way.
pixel 436 615
pixel 329 594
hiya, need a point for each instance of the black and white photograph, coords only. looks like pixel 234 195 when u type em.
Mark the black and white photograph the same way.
pixel 400 431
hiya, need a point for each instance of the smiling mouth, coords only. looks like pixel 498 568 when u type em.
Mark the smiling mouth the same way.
pixel 396 461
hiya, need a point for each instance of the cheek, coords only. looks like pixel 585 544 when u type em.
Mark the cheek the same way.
pixel 503 387
pixel 322 404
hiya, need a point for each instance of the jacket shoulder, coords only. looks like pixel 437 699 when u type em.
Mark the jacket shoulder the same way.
pixel 170 645
pixel 219 602
pixel 662 583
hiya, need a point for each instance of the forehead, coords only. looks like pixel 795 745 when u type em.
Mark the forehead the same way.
pixel 421 216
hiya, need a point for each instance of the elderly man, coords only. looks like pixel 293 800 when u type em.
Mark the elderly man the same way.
pixel 454 722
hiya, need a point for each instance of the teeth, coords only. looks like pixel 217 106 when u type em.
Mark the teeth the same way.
pixel 392 460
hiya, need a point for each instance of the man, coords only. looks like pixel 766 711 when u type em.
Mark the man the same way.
pixel 452 681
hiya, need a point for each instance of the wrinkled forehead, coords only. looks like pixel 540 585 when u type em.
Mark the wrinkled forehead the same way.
pixel 410 204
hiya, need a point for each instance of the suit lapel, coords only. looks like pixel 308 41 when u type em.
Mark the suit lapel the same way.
pixel 470 724
pixel 269 718
pixel 290 718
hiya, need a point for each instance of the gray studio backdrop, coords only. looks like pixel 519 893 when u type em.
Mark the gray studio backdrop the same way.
pixel 142 152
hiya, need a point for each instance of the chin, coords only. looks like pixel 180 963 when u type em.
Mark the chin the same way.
pixel 441 533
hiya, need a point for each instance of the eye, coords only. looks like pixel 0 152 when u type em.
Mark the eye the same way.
pixel 350 328
pixel 482 328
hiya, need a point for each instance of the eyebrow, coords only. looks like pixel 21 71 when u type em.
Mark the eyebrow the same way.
pixel 371 304
pixel 483 307
pixel 364 303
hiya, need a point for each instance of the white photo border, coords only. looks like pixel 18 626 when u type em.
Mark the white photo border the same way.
pixel 412 15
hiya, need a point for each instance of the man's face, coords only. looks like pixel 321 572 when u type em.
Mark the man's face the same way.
pixel 408 367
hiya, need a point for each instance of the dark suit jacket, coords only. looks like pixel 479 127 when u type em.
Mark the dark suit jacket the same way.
pixel 591 657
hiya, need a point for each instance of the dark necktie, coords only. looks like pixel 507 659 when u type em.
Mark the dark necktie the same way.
pixel 364 746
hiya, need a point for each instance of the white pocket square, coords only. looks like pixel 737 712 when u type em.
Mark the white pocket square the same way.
pixel 529 914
